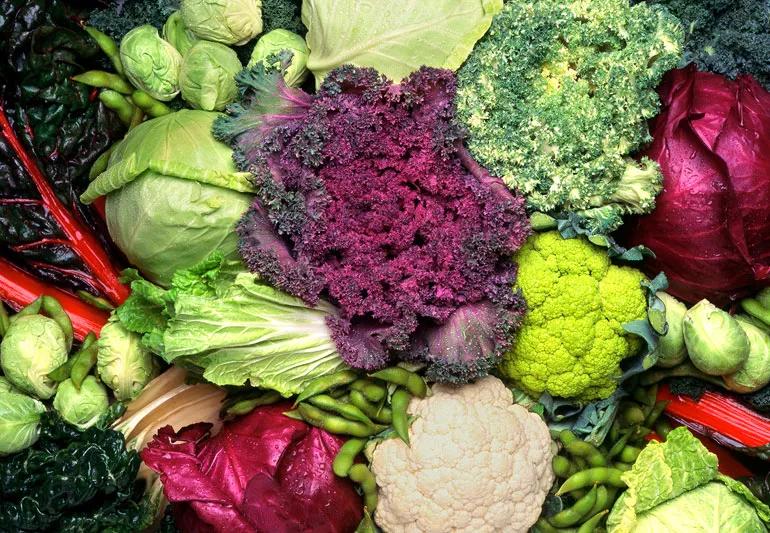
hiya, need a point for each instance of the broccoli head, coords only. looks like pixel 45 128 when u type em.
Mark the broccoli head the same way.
pixel 730 37
pixel 572 340
pixel 557 95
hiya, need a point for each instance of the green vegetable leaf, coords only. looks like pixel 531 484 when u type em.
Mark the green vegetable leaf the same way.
pixel 395 37
pixel 762 509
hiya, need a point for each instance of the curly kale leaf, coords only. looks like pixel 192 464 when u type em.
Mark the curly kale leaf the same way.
pixel 557 96
pixel 122 16
pixel 730 37
pixel 282 14
pixel 72 481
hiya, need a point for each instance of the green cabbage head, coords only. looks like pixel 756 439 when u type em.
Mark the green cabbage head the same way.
pixel 151 63
pixel 123 363
pixel 176 33
pixel 223 21
pixel 19 422
pixel 273 43
pixel 207 78
pixel 81 407
pixel 173 194
pixel 33 346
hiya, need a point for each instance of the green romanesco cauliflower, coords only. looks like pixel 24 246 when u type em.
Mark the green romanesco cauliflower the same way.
pixel 572 340
pixel 557 96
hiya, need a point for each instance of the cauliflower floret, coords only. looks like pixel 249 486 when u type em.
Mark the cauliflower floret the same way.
pixel 572 340
pixel 477 463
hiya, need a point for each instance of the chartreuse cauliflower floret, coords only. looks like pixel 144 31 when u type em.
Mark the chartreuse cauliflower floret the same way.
pixel 572 340
pixel 477 463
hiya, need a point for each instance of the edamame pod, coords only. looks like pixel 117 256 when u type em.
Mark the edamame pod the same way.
pixel 345 458
pixel 561 466
pixel 351 412
pixel 324 383
pixel 372 391
pixel 108 46
pixel 118 103
pixel 104 80
pixel 336 424
pixel 148 104
pixel 399 403
pixel 401 376
pixel 593 476
pixel 364 477
pixel 591 525
pixel 574 514
pixel 382 414
pixel 580 448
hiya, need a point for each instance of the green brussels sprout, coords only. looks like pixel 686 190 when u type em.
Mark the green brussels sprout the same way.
pixel 755 372
pixel 122 362
pixel 207 77
pixel 176 33
pixel 33 346
pixel 228 22
pixel 19 422
pixel 81 408
pixel 671 349
pixel 7 386
pixel 715 341
pixel 274 42
pixel 151 63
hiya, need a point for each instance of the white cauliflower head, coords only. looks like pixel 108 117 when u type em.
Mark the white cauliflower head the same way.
pixel 477 463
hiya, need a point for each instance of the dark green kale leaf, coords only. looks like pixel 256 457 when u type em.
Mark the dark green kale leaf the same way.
pixel 73 481
pixel 121 16
pixel 282 14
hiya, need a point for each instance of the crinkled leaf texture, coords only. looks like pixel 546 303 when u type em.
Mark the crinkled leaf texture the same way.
pixel 367 197
pixel 262 472
pixel 395 37
pixel 238 330
pixel 709 231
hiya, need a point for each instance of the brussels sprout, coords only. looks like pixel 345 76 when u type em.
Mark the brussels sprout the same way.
pixel 274 42
pixel 81 408
pixel 755 372
pixel 19 422
pixel 176 33
pixel 207 78
pixel 172 194
pixel 715 341
pixel 151 63
pixel 7 386
pixel 228 22
pixel 671 349
pixel 33 346
pixel 123 363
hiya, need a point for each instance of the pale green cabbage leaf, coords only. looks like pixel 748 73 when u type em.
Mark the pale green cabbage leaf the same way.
pixel 396 37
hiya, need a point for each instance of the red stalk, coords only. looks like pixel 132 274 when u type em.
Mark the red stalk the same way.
pixel 17 289
pixel 84 243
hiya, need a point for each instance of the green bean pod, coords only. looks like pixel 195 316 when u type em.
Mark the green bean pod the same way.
pixel 324 383
pixel 629 454
pixel 4 320
pixel 345 458
pixel 399 403
pixel 118 103
pixel 247 405
pixel 401 376
pixel 84 362
pixel 593 476
pixel 351 412
pixel 605 497
pixel 104 80
pixel 382 414
pixel 574 514
pixel 591 525
pixel 561 466
pixel 372 391
pixel 63 372
pixel 148 104
pixel 364 477
pixel 566 436
pixel 620 444
pixel 336 424
pixel 586 450
pixel 108 46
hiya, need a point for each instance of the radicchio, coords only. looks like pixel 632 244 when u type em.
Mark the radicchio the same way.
pixel 263 472
pixel 710 230
pixel 367 197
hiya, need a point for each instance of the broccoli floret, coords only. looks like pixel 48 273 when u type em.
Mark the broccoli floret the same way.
pixel 124 15
pixel 730 37
pixel 572 340
pixel 557 95
pixel 282 14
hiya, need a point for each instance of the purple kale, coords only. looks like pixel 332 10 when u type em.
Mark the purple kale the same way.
pixel 367 197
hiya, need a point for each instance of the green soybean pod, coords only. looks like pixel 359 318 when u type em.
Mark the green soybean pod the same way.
pixel 372 391
pixel 629 454
pixel 62 372
pixel 381 414
pixel 662 428
pixel 54 310
pixel 655 413
pixel 367 524
pixel 336 424
pixel 118 103
pixel 574 514
pixel 561 466
pixel 364 477
pixel 108 46
pixel 593 476
pixel 148 104
pixel 633 415
pixel 399 403
pixel 83 364
pixel 602 500
pixel 345 458
pixel 542 526
pixel 4 320
pixel 623 467
pixel 324 383
pixel 620 444
pixel 104 80
pixel 100 165
pixel 592 524
pixel 586 450
pixel 327 403
pixel 566 436
pixel 247 405
pixel 401 376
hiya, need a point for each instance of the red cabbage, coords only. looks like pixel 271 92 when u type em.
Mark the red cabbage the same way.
pixel 710 230
pixel 262 472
